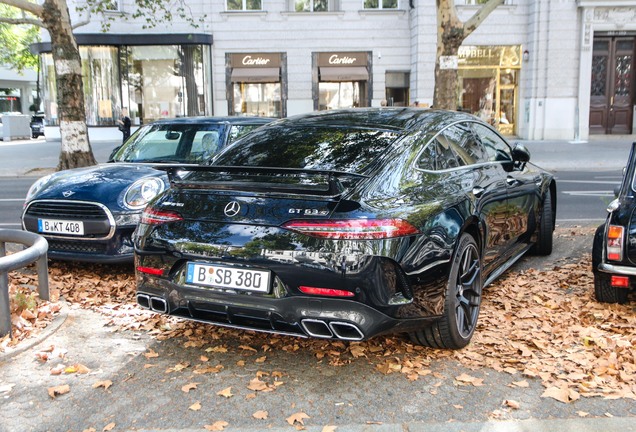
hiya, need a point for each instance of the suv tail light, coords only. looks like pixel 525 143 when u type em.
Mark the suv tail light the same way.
pixel 615 243
pixel 152 216
pixel 352 229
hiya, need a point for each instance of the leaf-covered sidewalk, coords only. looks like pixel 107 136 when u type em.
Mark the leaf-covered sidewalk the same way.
pixel 542 324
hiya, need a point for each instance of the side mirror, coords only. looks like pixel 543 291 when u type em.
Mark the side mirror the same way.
pixel 520 153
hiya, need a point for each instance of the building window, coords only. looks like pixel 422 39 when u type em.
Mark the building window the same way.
pixel 311 6
pixel 244 5
pixel 256 84
pixel 488 84
pixel 380 4
pixel 152 82
pixel 112 6
pixel 480 2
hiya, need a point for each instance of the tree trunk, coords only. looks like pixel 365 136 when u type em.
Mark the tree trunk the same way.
pixel 451 32
pixel 75 150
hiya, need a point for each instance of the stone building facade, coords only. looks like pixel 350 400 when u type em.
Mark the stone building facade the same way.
pixel 537 69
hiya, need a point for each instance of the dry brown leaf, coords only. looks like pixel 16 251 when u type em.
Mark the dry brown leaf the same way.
pixel 329 429
pixel 257 385
pixel 109 427
pixel 226 392
pixel 467 379
pixel 59 390
pixel 217 426
pixel 260 359
pixel 297 419
pixel 195 406
pixel 260 415
pixel 151 354
pixel 511 403
pixel 191 386
pixel 105 383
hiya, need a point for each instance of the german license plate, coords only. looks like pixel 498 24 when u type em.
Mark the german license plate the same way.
pixel 228 277
pixel 57 226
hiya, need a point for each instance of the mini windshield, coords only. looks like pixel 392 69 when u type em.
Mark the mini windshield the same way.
pixel 337 148
pixel 172 143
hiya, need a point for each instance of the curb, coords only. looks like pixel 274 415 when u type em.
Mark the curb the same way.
pixel 44 334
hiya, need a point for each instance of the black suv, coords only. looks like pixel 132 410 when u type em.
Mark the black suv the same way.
pixel 614 248
pixel 37 125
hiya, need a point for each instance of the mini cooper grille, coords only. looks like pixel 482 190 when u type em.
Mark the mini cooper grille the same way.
pixel 67 210
pixel 77 247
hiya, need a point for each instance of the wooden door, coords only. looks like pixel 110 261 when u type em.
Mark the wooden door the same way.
pixel 612 87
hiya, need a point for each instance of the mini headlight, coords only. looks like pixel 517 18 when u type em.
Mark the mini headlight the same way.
pixel 37 187
pixel 142 191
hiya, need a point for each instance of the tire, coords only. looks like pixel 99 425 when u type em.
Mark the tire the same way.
pixel 605 292
pixel 463 299
pixel 543 245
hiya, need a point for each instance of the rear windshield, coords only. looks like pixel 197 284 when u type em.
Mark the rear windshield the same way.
pixel 309 147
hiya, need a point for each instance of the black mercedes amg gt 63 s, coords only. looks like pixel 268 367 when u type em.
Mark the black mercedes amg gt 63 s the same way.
pixel 346 224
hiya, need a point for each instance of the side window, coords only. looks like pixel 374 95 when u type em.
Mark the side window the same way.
pixel 237 131
pixel 496 148
pixel 462 142
pixel 204 145
pixel 438 155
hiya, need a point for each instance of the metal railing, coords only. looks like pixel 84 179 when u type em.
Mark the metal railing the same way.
pixel 36 250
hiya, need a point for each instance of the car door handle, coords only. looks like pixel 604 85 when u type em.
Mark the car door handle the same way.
pixel 478 191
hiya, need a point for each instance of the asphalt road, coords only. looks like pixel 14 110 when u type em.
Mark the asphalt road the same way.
pixel 582 196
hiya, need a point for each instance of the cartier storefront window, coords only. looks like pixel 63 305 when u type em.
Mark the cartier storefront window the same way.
pixel 488 84
pixel 343 80
pixel 256 84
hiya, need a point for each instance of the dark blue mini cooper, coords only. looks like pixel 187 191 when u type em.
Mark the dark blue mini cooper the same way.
pixel 614 248
pixel 345 225
pixel 89 214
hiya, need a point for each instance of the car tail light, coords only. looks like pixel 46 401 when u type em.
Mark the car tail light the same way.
pixel 151 216
pixel 615 243
pixel 329 292
pixel 352 229
pixel 620 281
pixel 150 270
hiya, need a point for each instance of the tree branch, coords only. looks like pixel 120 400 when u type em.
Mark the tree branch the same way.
pixel 27 6
pixel 28 21
pixel 481 15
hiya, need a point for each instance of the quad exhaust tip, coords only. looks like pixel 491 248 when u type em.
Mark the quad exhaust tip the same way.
pixel 156 304
pixel 340 330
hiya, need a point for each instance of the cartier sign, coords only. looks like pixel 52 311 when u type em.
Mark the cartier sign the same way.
pixel 343 59
pixel 247 60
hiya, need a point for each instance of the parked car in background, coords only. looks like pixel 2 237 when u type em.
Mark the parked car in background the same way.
pixel 614 247
pixel 37 125
pixel 346 225
pixel 89 214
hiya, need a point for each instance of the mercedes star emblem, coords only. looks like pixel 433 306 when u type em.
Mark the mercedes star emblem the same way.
pixel 232 209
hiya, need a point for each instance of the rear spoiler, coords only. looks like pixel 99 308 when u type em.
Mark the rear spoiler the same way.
pixel 333 178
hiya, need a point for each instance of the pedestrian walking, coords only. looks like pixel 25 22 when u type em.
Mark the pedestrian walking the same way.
pixel 124 124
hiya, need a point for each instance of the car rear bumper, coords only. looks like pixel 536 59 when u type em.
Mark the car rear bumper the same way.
pixel 305 316
pixel 617 269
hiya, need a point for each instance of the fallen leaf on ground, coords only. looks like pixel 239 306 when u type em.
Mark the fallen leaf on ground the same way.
pixel 260 415
pixel 192 386
pixel 104 383
pixel 226 392
pixel 298 418
pixel 59 390
pixel 195 406
pixel 216 426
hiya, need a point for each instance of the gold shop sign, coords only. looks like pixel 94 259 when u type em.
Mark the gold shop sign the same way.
pixel 490 55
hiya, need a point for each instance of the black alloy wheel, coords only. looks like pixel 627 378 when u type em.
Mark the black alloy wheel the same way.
pixel 463 300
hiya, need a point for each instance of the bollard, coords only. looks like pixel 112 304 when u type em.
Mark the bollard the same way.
pixel 36 250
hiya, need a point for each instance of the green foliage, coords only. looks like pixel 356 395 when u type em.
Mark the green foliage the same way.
pixel 25 302
pixel 153 12
pixel 15 41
